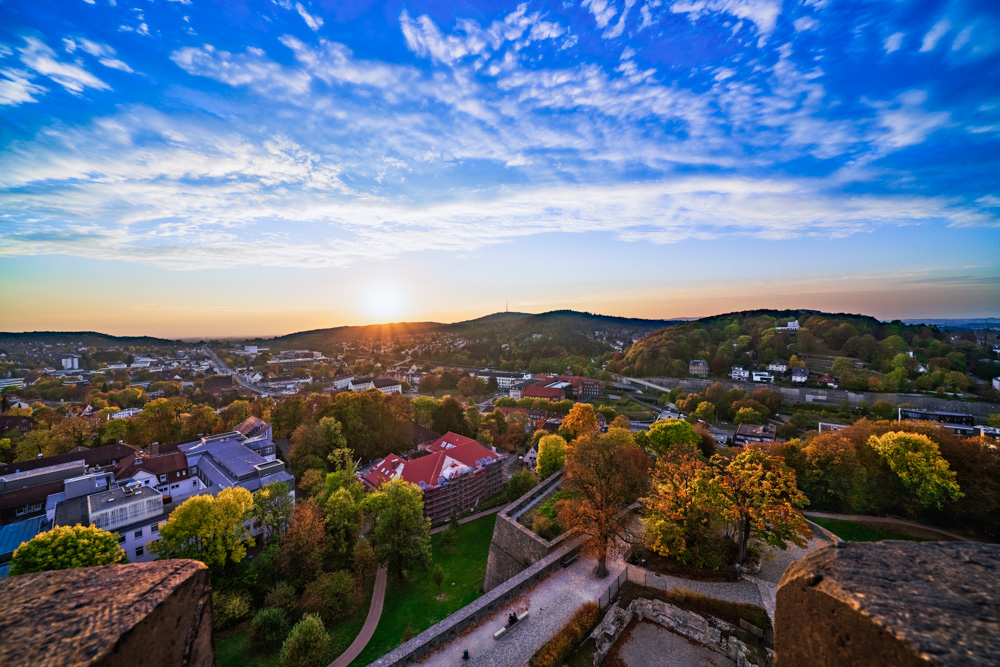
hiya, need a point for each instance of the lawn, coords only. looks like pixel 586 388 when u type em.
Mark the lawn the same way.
pixel 414 605
pixel 230 650
pixel 856 531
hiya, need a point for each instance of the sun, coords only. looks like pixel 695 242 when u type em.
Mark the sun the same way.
pixel 383 303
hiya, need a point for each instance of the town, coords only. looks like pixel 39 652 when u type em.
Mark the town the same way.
pixel 376 472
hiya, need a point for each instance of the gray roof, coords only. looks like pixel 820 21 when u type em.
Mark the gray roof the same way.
pixel 233 456
pixel 13 535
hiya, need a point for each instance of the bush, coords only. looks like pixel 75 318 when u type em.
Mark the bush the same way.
pixel 555 651
pixel 545 527
pixel 332 596
pixel 268 629
pixel 307 644
pixel 284 598
pixel 229 608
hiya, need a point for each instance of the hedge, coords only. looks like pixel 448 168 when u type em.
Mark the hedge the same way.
pixel 555 651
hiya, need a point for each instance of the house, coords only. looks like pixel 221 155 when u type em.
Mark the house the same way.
pixel 739 373
pixel 342 382
pixel 134 512
pixel 455 475
pixel 698 368
pixel 14 535
pixel 218 385
pixel 762 376
pixel 800 374
pixel 553 393
pixel 124 414
pixel 517 389
pixel 254 427
pixel 996 383
pixel 18 423
pixel 778 366
pixel 958 422
pixel 531 458
pixel 791 326
pixel 12 382
pixel 504 380
pixel 828 380
pixel 823 427
pixel 747 433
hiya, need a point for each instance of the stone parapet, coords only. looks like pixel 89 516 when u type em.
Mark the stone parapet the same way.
pixel 896 603
pixel 155 614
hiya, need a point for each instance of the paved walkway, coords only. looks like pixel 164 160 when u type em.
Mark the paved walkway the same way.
pixel 550 604
pixel 890 520
pixel 371 622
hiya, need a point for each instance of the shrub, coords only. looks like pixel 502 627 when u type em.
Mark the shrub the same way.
pixel 307 645
pixel 555 651
pixel 268 628
pixel 545 527
pixel 229 608
pixel 283 597
pixel 332 596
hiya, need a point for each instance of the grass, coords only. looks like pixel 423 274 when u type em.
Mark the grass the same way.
pixel 417 603
pixel 231 651
pixel 857 531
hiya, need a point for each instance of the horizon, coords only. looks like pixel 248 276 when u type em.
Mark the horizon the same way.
pixel 192 170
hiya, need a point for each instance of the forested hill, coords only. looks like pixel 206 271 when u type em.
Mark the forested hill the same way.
pixel 84 338
pixel 552 324
pixel 750 338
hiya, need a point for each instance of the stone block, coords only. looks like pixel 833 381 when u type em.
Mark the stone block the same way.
pixel 155 614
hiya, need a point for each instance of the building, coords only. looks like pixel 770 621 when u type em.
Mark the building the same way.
pixel 18 423
pixel 504 380
pixel 747 433
pixel 996 383
pixel 12 382
pixel 791 326
pixel 342 382
pixel 224 461
pixel 553 393
pixel 739 373
pixel 828 380
pixel 14 535
pixel 134 512
pixel 166 473
pixel 384 385
pixel 778 366
pixel 823 427
pixel 762 376
pixel 698 368
pixel 456 475
pixel 800 374
pixel 958 422
pixel 125 414
pixel 70 363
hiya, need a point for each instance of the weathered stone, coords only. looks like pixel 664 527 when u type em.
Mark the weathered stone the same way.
pixel 891 603
pixel 155 614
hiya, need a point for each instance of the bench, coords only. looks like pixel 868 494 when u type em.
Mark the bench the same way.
pixel 500 633
pixel 569 560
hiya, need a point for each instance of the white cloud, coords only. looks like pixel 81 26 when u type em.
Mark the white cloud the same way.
pixel 248 69
pixel 114 63
pixel 762 13
pixel 905 123
pixel 16 88
pixel 38 57
pixel 893 42
pixel 619 28
pixel 805 23
pixel 934 34
pixel 314 22
pixel 602 10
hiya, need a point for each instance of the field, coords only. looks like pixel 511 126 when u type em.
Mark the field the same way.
pixel 857 531
pixel 416 604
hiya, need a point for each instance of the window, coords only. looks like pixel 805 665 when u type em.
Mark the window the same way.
pixel 138 552
pixel 163 478
pixel 154 529
pixel 137 534
pixel 34 507
pixel 19 512
pixel 121 537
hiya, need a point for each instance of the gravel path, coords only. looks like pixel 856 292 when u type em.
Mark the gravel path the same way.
pixel 672 650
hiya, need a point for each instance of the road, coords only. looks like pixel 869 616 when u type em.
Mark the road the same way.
pixel 221 366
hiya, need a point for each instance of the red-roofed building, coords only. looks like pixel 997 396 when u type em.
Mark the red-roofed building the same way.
pixel 541 391
pixel 456 475
pixel 167 473
pixel 254 427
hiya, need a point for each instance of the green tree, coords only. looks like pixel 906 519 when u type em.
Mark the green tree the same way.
pixel 438 575
pixel 748 416
pixel 307 645
pixel 672 435
pixel 400 533
pixel 343 522
pixel 66 547
pixel 268 629
pixel 993 420
pixel 331 596
pixel 520 483
pixel 551 455
pixel 705 411
pixel 209 529
pixel 364 561
pixel 918 463
pixel 449 416
pixel 272 508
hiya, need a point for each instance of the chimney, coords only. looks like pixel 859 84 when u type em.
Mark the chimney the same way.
pixel 154 449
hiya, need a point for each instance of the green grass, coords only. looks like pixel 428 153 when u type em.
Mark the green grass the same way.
pixel 414 603
pixel 231 651
pixel 856 531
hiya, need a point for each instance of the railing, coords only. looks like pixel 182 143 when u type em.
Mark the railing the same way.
pixel 613 589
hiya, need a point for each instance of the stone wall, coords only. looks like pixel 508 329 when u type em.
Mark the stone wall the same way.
pixel 514 547
pixel 151 614
pixel 906 604
pixel 707 631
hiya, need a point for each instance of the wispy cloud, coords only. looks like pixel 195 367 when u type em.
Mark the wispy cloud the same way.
pixel 314 22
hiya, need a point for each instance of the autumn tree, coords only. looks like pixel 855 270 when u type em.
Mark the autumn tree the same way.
pixel 399 534
pixel 66 547
pixel 669 435
pixel 676 514
pixel 551 455
pixel 343 523
pixel 581 420
pixel 303 543
pixel 748 416
pixel 918 463
pixel 313 444
pixel 449 416
pixel 757 495
pixel 604 477
pixel 208 528
pixel 272 509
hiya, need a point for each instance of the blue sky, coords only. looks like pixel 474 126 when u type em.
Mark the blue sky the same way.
pixel 208 168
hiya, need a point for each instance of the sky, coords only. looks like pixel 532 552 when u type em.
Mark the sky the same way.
pixel 230 168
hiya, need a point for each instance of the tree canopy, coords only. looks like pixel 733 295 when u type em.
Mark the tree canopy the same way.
pixel 208 528
pixel 400 535
pixel 66 547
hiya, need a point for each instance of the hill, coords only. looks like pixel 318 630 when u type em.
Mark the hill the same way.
pixel 83 338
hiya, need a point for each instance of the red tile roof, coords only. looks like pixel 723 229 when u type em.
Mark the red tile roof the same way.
pixel 448 453
pixel 154 465
pixel 538 391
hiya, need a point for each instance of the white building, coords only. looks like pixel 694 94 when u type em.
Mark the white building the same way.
pixel 800 374
pixel 134 512
pixel 778 366
pixel 762 376
pixel 71 363
pixel 791 326
pixel 125 414
pixel 739 373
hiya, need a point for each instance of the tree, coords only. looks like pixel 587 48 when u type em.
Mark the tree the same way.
pixel 272 508
pixel 993 420
pixel 438 575
pixel 551 455
pixel 672 435
pixel 520 483
pixel 604 476
pixel 581 420
pixel 303 544
pixel 757 494
pixel 469 386
pixel 748 416
pixel 331 596
pixel 918 463
pixel 343 522
pixel 307 644
pixel 313 444
pixel 449 416
pixel 364 560
pixel 400 533
pixel 428 383
pixel 209 529
pixel 705 411
pixel 268 629
pixel 66 547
